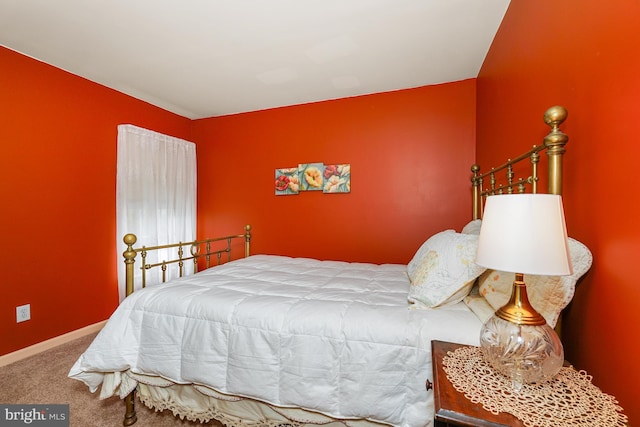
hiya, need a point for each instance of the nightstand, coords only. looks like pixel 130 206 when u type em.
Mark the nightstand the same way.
pixel 453 408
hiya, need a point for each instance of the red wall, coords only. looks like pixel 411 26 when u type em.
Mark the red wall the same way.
pixel 58 165
pixel 583 55
pixel 57 174
pixel 410 152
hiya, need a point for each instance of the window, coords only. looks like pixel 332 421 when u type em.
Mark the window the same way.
pixel 155 193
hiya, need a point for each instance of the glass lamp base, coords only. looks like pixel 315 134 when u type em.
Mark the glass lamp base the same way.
pixel 523 353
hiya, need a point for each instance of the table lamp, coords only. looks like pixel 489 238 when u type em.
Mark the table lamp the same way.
pixel 523 234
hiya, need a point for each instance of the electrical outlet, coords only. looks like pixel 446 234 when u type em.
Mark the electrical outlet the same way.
pixel 23 313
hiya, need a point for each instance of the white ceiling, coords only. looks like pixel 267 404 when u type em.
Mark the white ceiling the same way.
pixel 203 58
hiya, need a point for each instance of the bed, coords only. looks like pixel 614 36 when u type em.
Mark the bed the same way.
pixel 273 340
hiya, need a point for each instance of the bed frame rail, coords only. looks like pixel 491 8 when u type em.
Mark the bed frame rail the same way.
pixel 200 252
pixel 554 144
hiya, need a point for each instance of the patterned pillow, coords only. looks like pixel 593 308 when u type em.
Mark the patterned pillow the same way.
pixel 549 295
pixel 443 270
pixel 478 304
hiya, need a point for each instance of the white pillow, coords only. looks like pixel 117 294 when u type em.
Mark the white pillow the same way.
pixel 473 227
pixel 549 295
pixel 443 270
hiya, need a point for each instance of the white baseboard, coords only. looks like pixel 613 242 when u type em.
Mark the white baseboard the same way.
pixel 50 343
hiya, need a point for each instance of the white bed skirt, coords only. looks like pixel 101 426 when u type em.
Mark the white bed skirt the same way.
pixel 203 404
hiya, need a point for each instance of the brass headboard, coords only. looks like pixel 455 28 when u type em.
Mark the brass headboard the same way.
pixel 554 144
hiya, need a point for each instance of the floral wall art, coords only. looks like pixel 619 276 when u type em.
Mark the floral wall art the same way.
pixel 287 181
pixel 335 178
pixel 310 176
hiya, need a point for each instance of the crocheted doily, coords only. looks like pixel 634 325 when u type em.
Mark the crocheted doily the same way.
pixel 570 399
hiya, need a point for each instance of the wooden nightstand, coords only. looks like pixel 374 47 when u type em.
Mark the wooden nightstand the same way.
pixel 451 407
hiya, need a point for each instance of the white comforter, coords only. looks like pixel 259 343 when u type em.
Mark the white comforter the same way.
pixel 334 337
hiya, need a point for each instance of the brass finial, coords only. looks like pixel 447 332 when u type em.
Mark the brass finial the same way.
pixel 554 116
pixel 130 239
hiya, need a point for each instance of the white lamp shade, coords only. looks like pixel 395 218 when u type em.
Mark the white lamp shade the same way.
pixel 524 233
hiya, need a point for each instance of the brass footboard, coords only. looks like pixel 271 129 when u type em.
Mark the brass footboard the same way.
pixel 202 253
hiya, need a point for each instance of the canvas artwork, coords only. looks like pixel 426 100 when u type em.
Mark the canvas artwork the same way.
pixel 311 178
pixel 337 178
pixel 334 178
pixel 287 181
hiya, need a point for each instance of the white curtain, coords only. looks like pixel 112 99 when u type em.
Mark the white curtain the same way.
pixel 155 195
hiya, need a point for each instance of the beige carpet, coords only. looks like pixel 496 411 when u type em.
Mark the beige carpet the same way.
pixel 42 379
